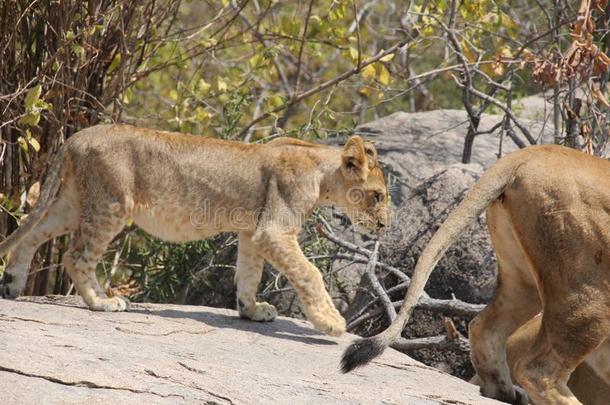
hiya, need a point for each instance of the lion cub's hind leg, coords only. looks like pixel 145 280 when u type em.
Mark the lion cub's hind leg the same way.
pixel 86 248
pixel 247 277
pixel 60 218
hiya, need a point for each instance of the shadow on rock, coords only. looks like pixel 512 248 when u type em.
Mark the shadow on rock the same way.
pixel 280 328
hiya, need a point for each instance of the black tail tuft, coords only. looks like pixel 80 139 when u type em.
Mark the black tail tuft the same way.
pixel 360 353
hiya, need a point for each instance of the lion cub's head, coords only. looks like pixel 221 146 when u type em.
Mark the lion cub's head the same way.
pixel 364 193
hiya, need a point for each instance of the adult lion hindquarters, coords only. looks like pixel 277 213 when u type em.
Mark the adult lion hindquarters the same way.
pixel 548 215
pixel 182 187
pixel 590 381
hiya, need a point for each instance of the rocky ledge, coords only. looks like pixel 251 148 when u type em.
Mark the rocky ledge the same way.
pixel 56 351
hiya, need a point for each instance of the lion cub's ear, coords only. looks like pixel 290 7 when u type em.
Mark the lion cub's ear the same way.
pixel 354 161
pixel 371 153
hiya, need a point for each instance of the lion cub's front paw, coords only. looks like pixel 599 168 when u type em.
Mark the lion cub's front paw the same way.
pixel 261 312
pixel 331 323
pixel 114 304
pixel 264 312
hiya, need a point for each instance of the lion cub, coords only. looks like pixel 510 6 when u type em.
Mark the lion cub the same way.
pixel 183 187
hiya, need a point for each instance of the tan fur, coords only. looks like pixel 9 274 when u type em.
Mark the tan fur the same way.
pixel 183 187
pixel 548 212
pixel 589 382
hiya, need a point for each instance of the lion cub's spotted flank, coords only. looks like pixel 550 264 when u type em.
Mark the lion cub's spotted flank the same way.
pixel 182 188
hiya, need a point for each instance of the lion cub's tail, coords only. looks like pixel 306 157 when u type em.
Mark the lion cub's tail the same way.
pixel 489 187
pixel 47 194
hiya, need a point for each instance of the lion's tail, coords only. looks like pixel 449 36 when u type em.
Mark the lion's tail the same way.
pixel 47 194
pixel 489 187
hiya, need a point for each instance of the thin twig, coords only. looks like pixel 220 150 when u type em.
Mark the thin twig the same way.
pixel 322 86
pixel 357 25
pixel 301 47
pixel 508 111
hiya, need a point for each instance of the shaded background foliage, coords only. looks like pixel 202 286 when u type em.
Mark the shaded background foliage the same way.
pixel 257 69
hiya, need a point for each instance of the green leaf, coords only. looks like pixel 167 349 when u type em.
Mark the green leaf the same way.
pixel 256 60
pixel 276 100
pixel 115 63
pixel 203 87
pixel 23 144
pixel 78 50
pixel 127 96
pixel 222 84
pixel 201 115
pixel 32 119
pixel 384 75
pixel 368 73
pixel 32 96
pixel 353 52
pixel 387 58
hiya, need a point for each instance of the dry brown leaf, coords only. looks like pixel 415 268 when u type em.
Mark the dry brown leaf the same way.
pixel 33 194
pixel 597 95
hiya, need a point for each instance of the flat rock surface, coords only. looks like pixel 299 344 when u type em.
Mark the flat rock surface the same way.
pixel 55 351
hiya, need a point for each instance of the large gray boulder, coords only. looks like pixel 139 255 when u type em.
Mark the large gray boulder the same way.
pixel 468 269
pixel 54 351
pixel 415 146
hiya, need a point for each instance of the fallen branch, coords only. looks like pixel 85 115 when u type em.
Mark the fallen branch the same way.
pixel 364 253
pixel 355 257
pixel 452 307
pixel 381 293
pixel 435 342
pixel 452 340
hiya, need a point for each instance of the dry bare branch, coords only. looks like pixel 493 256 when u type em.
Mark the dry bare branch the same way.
pixel 372 278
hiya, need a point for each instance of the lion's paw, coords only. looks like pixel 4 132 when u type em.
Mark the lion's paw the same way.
pixel 114 304
pixel 264 312
pixel 521 397
pixel 261 312
pixel 330 322
pixel 12 281
pixel 515 395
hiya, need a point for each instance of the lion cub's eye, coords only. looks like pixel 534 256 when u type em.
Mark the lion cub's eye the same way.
pixel 379 197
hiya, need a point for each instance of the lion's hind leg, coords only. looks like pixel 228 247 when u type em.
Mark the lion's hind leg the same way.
pixel 599 360
pixel 86 248
pixel 60 218
pixel 544 374
pixel 566 337
pixel 488 333
pixel 247 277
pixel 515 301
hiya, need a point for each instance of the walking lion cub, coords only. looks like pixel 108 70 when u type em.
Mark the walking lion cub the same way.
pixel 182 188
